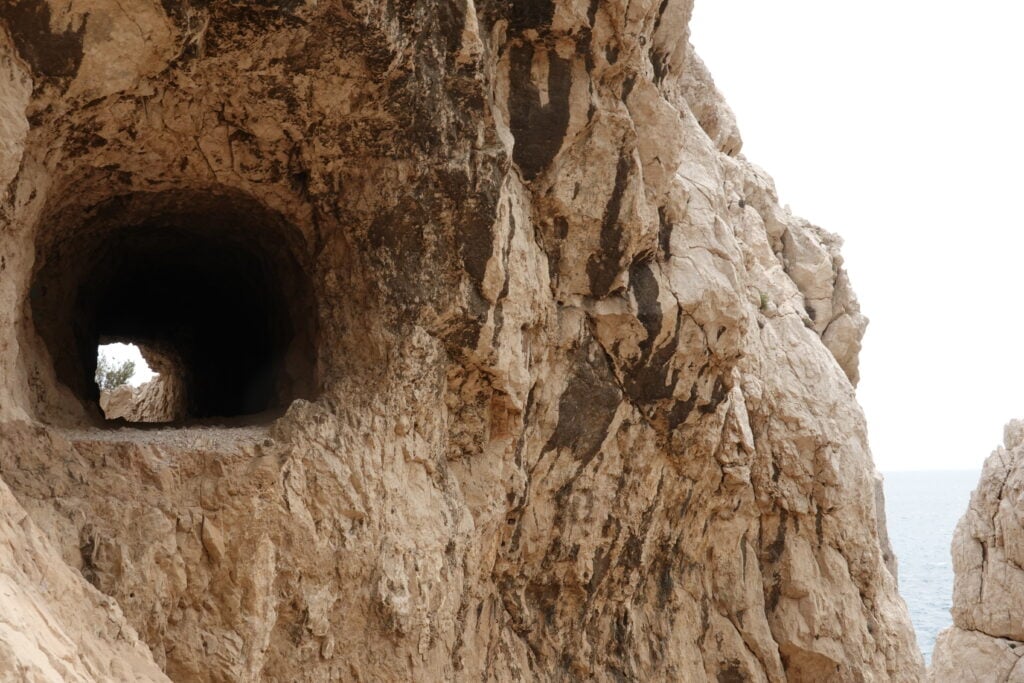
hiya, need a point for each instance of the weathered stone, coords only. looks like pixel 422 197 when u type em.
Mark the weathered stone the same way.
pixel 986 640
pixel 53 625
pixel 161 399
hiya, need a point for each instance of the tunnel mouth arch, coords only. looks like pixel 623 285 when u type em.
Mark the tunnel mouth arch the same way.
pixel 215 278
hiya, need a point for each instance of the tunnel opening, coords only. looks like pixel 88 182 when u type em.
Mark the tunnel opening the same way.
pixel 212 288
pixel 140 383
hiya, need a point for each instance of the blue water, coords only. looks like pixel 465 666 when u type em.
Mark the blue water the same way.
pixel 922 509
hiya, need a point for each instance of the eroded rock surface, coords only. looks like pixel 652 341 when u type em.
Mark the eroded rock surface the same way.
pixel 53 625
pixel 986 641
pixel 158 400
pixel 569 396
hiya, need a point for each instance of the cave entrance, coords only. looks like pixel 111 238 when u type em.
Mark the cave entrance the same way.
pixel 211 288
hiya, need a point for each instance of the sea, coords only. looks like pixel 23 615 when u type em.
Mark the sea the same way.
pixel 922 510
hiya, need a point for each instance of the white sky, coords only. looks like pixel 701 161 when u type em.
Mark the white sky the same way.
pixel 119 353
pixel 899 125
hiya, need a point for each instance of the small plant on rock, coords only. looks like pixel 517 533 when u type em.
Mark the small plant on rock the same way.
pixel 110 375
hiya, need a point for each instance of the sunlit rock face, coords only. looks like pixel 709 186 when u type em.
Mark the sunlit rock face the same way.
pixel 538 380
pixel 986 641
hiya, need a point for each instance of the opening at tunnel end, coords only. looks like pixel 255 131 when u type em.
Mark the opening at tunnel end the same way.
pixel 131 390
pixel 120 364
pixel 210 289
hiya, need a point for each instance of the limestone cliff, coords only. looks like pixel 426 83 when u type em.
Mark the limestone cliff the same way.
pixel 986 641
pixel 530 376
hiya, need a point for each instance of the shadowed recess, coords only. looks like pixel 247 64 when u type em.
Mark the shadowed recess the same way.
pixel 215 279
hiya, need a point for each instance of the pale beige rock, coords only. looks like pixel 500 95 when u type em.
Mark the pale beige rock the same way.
pixel 962 656
pixel 986 640
pixel 583 405
pixel 15 93
pixel 53 626
pixel 159 400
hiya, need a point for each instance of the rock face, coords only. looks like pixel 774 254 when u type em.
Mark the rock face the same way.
pixel 540 381
pixel 53 625
pixel 986 641
pixel 158 400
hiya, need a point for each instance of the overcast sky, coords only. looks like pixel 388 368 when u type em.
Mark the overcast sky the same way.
pixel 899 125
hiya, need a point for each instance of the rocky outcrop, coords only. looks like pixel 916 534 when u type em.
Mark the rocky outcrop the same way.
pixel 986 641
pixel 158 400
pixel 566 394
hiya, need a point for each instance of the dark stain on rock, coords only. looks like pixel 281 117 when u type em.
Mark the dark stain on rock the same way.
pixel 661 14
pixel 666 584
pixel 527 14
pixel 774 552
pixel 87 547
pixel 705 623
pixel 538 129
pixel 392 232
pixel 583 49
pixel 776 547
pixel 603 266
pixel 171 8
pixel 682 409
pixel 632 552
pixel 819 525
pixel 451 18
pixel 620 632
pixel 230 24
pixel 658 64
pixel 55 55
pixel 586 408
pixel 664 232
pixel 554 250
pixel 651 379
pixel 718 394
pixel 627 87
pixel 645 291
pixel 561 227
pixel 476 222
pixel 463 335
pixel 601 564
pixel 543 598
pixel 731 673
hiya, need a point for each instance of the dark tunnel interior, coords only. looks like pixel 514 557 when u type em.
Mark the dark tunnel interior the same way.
pixel 215 280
